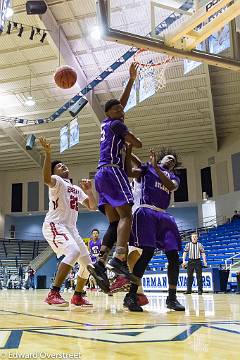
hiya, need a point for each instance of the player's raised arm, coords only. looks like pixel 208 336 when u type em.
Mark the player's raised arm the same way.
pixel 132 77
pixel 133 140
pixel 131 171
pixel 171 185
pixel 47 176
pixel 90 201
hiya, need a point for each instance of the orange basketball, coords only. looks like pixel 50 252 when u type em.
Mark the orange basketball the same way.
pixel 65 77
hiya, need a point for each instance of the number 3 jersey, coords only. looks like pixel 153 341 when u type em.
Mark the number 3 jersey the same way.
pixel 112 141
pixel 63 202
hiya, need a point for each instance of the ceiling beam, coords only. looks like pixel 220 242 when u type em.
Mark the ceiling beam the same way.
pixel 211 107
pixel 69 58
pixel 11 131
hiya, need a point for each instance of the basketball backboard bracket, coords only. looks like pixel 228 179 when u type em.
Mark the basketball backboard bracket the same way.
pixel 161 46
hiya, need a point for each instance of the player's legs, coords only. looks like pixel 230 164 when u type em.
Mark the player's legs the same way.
pixel 62 242
pixel 144 224
pixel 119 262
pixel 134 254
pixel 169 240
pixel 190 271
pixel 131 300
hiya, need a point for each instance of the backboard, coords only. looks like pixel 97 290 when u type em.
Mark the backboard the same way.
pixel 198 30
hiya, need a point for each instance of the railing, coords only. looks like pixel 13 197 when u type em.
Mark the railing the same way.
pixel 41 258
pixel 231 258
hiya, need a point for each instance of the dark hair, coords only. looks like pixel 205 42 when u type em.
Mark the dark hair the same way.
pixel 53 164
pixel 110 103
pixel 94 230
pixel 168 151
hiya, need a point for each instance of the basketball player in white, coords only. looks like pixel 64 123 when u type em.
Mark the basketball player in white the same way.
pixel 59 227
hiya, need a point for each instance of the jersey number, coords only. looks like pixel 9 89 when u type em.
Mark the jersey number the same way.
pixel 102 135
pixel 55 204
pixel 74 202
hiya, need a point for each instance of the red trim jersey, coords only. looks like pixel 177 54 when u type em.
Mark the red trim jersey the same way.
pixel 63 202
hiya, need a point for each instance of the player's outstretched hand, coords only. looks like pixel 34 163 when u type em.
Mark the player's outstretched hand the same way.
pixel 152 158
pixel 45 145
pixel 133 70
pixel 86 184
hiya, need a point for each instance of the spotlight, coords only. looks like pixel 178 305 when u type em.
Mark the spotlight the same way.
pixel 43 37
pixel 30 142
pixel 8 13
pixel 96 33
pixel 32 34
pixel 9 27
pixel 20 31
pixel 30 101
pixel 36 7
pixel 76 108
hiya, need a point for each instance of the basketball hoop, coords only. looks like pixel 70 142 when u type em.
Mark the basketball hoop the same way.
pixel 153 67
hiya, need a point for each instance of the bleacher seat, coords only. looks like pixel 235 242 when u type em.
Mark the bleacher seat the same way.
pixel 220 243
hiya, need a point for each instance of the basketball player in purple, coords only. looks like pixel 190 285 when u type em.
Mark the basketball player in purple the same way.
pixel 111 181
pixel 152 227
pixel 94 245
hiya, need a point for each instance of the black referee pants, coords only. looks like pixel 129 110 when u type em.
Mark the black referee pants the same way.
pixel 194 264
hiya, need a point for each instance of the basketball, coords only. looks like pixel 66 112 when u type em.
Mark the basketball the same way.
pixel 65 77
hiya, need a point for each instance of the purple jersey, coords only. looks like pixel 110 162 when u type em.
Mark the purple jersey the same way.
pixel 153 191
pixel 94 247
pixel 112 141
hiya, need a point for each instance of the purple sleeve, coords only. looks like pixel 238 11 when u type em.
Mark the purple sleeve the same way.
pixel 174 177
pixel 119 128
pixel 144 168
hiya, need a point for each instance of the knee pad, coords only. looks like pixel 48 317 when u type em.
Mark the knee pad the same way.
pixel 83 272
pixel 110 237
pixel 71 255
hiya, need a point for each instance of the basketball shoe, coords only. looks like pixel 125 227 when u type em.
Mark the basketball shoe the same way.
pixel 121 268
pixel 121 283
pixel 77 301
pixel 142 299
pixel 100 277
pixel 174 304
pixel 131 302
pixel 55 298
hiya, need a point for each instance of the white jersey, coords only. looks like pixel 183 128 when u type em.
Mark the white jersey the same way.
pixel 63 202
pixel 136 190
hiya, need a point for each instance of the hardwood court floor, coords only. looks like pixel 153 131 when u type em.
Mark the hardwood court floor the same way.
pixel 209 329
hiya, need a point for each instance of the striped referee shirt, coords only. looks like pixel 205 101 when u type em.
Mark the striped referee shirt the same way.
pixel 194 250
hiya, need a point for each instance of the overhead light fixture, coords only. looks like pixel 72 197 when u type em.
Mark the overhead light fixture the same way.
pixel 36 7
pixel 32 34
pixel 96 33
pixel 9 13
pixel 9 28
pixel 43 37
pixel 20 31
pixel 30 101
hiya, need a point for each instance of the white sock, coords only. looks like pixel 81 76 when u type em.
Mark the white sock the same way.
pixel 140 290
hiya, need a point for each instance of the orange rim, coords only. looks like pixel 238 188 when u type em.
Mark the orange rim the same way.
pixel 135 59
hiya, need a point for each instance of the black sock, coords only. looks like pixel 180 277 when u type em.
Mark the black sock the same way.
pixel 172 294
pixel 56 288
pixel 101 264
pixel 133 289
pixel 78 293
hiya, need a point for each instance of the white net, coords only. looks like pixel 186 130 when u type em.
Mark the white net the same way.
pixel 152 71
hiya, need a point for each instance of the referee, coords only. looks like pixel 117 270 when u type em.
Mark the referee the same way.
pixel 194 250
